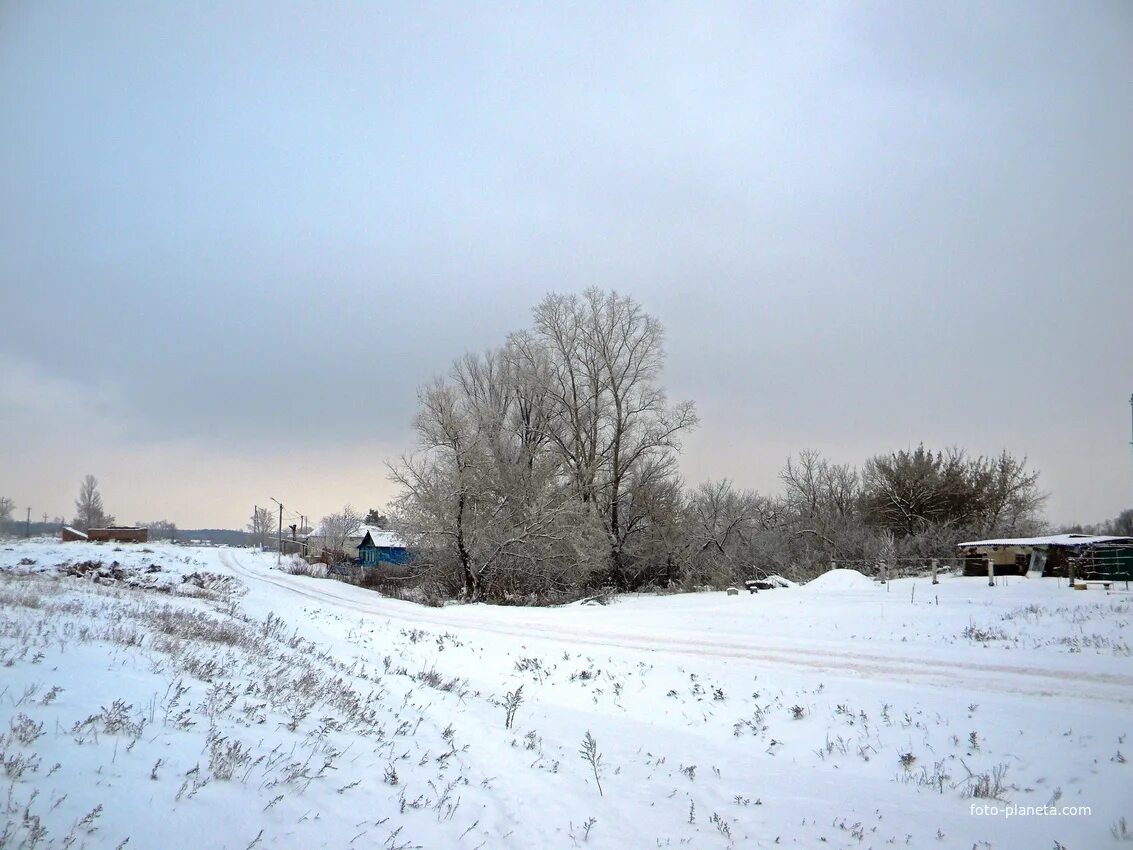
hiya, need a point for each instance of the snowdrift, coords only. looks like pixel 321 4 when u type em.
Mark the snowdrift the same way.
pixel 841 581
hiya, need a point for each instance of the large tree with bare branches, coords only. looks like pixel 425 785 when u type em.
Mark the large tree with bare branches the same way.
pixel 609 417
pixel 482 497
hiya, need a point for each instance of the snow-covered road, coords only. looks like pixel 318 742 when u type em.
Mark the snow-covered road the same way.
pixel 719 637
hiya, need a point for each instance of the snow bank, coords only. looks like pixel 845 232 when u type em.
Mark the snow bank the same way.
pixel 779 581
pixel 840 581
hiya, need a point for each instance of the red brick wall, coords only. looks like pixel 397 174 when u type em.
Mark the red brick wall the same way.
pixel 119 535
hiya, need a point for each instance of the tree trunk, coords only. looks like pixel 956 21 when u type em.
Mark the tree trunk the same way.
pixel 471 585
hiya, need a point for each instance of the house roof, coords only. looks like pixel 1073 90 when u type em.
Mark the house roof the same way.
pixel 382 539
pixel 1066 541
pixel 75 531
pixel 357 534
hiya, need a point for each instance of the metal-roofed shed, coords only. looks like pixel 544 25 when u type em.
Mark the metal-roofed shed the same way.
pixel 1095 556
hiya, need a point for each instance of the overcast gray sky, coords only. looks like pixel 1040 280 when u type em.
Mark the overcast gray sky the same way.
pixel 234 238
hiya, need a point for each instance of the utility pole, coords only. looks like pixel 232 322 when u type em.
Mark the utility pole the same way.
pixel 257 532
pixel 1131 438
pixel 27 528
pixel 279 556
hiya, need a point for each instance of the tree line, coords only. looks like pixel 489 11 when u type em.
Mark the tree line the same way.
pixel 1120 526
pixel 547 467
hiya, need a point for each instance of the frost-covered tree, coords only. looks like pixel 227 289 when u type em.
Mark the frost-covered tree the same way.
pixel 914 492
pixel 483 500
pixel 904 507
pixel 564 426
pixel 337 528
pixel 719 530
pixel 609 417
pixel 818 490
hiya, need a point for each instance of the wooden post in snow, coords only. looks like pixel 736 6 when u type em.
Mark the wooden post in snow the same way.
pixel 990 572
pixel 935 580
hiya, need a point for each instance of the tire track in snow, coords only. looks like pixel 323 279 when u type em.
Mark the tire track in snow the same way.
pixel 498 821
pixel 980 676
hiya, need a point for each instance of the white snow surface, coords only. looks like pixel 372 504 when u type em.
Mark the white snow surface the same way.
pixel 198 697
pixel 841 581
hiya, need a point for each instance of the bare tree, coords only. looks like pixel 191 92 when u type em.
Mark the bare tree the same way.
pixel 720 528
pixel 566 426
pixel 482 497
pixel 89 510
pixel 6 508
pixel 439 485
pixel 263 526
pixel 609 416
pixel 819 490
pixel 161 529
pixel 1006 495
pixel 338 528
pixel 1121 525
pixel 659 531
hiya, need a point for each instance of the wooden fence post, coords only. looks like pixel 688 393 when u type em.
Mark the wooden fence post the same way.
pixel 990 572
pixel 935 580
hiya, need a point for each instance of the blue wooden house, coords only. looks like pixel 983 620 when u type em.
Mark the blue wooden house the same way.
pixel 382 547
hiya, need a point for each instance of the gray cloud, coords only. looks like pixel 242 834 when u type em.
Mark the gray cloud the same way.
pixel 862 225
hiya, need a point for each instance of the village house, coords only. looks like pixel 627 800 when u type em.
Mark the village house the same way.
pixel 382 547
pixel 368 545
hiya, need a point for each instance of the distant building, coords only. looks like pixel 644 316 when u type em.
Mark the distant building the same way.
pixel 379 547
pixel 1094 555
pixel 71 535
pixel 118 534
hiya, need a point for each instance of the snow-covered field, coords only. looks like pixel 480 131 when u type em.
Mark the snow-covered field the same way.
pixel 193 698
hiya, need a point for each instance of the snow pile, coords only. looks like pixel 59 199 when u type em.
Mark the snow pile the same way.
pixel 841 581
